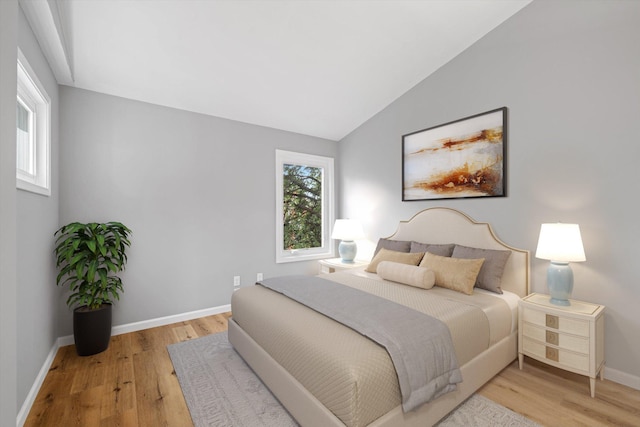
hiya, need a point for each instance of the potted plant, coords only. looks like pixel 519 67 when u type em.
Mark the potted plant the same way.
pixel 88 257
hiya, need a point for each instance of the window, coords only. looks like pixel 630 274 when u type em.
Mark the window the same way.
pixel 304 206
pixel 33 117
pixel 26 135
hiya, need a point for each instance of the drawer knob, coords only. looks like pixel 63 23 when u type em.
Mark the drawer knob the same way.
pixel 552 321
pixel 552 337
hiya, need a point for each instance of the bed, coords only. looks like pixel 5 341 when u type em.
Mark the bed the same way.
pixel 326 374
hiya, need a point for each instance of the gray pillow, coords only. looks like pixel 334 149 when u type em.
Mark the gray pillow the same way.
pixel 441 250
pixel 393 245
pixel 490 276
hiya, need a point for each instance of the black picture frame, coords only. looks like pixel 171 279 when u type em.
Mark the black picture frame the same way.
pixel 465 158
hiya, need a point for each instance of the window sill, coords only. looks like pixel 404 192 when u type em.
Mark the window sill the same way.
pixel 32 188
pixel 300 257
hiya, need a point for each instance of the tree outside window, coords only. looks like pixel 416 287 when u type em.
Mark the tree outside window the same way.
pixel 302 198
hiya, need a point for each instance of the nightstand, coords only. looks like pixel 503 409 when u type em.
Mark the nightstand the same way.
pixel 335 264
pixel 567 337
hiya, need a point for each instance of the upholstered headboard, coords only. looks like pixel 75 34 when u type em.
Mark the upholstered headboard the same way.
pixel 446 225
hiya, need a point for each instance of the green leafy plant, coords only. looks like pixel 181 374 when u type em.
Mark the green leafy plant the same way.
pixel 88 257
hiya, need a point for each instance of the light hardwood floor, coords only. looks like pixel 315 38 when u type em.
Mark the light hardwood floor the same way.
pixel 133 384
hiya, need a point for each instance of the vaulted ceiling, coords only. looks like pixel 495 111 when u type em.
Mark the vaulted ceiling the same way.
pixel 316 67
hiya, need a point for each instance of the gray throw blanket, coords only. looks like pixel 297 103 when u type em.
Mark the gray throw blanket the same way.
pixel 419 345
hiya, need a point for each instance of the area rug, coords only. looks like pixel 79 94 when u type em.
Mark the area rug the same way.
pixel 221 390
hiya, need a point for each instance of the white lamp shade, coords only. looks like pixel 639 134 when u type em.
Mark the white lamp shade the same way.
pixel 347 229
pixel 560 242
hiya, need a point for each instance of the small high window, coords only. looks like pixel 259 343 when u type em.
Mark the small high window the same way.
pixel 33 131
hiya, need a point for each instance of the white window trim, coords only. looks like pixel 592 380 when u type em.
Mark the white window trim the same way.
pixel 32 91
pixel 328 214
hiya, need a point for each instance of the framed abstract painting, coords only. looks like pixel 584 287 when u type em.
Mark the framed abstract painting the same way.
pixel 460 159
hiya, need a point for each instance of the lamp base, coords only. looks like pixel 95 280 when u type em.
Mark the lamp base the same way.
pixel 347 250
pixel 560 282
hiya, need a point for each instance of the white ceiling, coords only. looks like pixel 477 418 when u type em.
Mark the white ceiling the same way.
pixel 319 68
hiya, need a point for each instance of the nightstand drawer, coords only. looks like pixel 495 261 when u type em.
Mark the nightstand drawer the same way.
pixel 562 324
pixel 549 353
pixel 333 265
pixel 568 342
pixel 325 269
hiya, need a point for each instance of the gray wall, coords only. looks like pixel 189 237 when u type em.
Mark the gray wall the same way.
pixel 568 72
pixel 37 220
pixel 8 312
pixel 28 297
pixel 197 191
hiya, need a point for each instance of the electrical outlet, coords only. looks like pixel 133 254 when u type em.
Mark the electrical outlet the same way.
pixel 259 277
pixel 236 281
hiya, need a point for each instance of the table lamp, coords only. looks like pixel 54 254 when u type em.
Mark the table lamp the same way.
pixel 561 244
pixel 347 230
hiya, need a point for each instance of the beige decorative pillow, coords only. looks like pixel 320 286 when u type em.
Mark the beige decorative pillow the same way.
pixel 387 255
pixel 412 275
pixel 457 274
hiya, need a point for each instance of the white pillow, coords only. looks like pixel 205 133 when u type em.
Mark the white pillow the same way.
pixel 411 275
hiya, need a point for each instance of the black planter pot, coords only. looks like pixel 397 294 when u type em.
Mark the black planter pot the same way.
pixel 92 329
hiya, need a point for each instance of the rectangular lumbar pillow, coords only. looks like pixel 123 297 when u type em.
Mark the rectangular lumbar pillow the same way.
pixel 456 274
pixel 387 255
pixel 412 275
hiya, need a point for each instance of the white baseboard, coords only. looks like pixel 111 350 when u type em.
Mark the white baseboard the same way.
pixel 160 321
pixel 623 378
pixel 31 397
pixel 116 330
